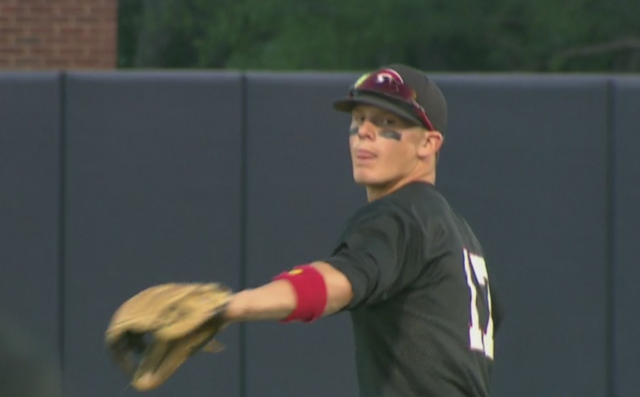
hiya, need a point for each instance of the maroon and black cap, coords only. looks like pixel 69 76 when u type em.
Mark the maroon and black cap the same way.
pixel 402 90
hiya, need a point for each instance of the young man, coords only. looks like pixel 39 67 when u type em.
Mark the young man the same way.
pixel 407 267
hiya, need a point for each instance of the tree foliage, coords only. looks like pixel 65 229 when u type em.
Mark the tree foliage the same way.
pixel 435 35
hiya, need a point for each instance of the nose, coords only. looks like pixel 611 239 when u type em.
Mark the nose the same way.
pixel 367 130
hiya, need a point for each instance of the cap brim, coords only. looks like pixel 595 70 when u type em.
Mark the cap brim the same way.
pixel 347 105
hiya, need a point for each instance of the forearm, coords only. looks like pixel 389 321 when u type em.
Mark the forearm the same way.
pixel 277 300
pixel 272 301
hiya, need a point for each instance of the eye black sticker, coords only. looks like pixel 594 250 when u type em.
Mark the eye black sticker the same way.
pixel 391 135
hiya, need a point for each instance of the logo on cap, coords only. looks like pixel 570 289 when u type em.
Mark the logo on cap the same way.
pixel 390 76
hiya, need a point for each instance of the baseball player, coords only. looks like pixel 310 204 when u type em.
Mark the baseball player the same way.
pixel 407 267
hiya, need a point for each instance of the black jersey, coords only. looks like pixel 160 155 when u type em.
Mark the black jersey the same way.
pixel 422 304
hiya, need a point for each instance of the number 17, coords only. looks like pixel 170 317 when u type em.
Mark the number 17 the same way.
pixel 479 339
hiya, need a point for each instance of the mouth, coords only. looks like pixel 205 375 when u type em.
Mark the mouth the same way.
pixel 362 154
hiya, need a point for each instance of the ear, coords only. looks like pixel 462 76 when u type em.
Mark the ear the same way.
pixel 430 144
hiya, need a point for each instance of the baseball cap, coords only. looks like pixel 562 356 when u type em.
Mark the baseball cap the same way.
pixel 402 90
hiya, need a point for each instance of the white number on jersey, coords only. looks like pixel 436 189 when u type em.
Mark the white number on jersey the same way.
pixel 480 339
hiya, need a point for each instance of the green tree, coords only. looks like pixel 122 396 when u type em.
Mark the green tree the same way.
pixel 437 35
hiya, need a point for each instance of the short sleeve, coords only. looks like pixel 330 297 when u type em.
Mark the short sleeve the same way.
pixel 377 255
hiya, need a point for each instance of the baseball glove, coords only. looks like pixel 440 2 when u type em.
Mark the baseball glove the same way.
pixel 157 330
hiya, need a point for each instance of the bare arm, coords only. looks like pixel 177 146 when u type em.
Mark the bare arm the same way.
pixel 277 299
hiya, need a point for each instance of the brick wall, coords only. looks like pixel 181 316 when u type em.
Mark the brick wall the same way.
pixel 58 34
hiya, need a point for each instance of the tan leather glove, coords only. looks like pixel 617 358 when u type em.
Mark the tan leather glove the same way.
pixel 152 334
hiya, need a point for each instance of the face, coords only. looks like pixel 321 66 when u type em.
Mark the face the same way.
pixel 385 148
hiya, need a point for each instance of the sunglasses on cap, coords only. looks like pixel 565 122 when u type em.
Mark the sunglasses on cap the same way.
pixel 388 82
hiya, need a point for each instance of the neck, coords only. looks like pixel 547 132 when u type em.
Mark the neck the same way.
pixel 375 192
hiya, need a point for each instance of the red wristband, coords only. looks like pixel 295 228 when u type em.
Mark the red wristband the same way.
pixel 311 292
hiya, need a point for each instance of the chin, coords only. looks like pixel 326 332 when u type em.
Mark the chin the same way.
pixel 366 179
